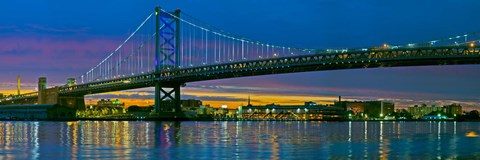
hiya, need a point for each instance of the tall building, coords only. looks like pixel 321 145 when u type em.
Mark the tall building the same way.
pixel 370 109
pixel 191 103
pixel 379 108
pixel 420 111
pixel 340 103
pixel 18 84
pixel 42 86
pixel 454 109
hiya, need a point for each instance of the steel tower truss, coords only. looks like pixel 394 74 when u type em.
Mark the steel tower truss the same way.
pixel 167 57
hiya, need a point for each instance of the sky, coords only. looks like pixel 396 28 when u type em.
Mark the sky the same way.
pixel 61 39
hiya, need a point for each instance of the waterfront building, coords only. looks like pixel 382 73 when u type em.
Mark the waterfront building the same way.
pixel 454 109
pixel 191 103
pixel 435 117
pixel 368 109
pixel 420 111
pixel 308 111
pixel 110 104
pixel 71 82
pixel 104 107
pixel 206 110
pixel 191 107
pixel 36 112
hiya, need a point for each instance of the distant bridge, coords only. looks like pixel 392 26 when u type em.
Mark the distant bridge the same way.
pixel 170 49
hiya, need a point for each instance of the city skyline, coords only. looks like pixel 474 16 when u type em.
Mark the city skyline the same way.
pixel 36 38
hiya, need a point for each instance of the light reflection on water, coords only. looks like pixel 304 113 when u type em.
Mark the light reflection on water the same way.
pixel 237 140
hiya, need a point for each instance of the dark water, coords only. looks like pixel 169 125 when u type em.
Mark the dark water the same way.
pixel 238 140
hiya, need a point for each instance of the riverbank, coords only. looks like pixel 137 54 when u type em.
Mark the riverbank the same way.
pixel 169 117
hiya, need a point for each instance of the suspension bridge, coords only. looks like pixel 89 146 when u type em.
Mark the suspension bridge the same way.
pixel 169 49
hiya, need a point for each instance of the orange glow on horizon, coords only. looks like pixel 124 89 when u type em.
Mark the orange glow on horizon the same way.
pixel 233 100
pixel 237 99
pixel 14 92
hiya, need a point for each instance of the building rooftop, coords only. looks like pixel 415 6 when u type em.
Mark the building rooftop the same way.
pixel 271 106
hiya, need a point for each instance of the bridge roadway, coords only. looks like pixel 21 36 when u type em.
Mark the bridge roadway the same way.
pixel 303 63
pixel 314 62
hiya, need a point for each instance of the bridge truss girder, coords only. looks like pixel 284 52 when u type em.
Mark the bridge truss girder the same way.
pixel 316 62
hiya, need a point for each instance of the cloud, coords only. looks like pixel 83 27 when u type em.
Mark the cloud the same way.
pixel 57 30
pixel 8 28
pixel 213 98
pixel 24 86
pixel 54 52
pixel 123 95
pixel 275 87
pixel 55 57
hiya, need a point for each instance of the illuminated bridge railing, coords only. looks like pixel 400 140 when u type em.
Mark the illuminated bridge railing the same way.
pixel 318 61
pixel 145 79
pixel 421 55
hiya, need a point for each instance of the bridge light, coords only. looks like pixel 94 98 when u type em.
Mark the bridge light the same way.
pixel 472 44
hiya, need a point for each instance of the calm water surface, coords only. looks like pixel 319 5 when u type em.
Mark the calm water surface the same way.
pixel 237 140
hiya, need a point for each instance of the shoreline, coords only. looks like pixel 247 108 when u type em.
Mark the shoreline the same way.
pixel 223 119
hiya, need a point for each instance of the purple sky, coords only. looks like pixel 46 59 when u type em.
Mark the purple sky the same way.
pixel 62 39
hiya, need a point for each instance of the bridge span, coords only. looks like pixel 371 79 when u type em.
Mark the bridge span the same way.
pixel 182 49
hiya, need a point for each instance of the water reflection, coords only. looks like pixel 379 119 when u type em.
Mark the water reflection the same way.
pixel 237 140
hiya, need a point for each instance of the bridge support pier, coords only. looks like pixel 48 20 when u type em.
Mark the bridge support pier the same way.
pixel 75 102
pixel 167 98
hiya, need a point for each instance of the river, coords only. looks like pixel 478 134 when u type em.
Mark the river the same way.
pixel 238 140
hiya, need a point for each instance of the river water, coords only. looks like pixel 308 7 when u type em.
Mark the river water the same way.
pixel 238 140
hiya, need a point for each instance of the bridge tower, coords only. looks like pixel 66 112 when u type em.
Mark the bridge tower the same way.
pixel 42 86
pixel 167 56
